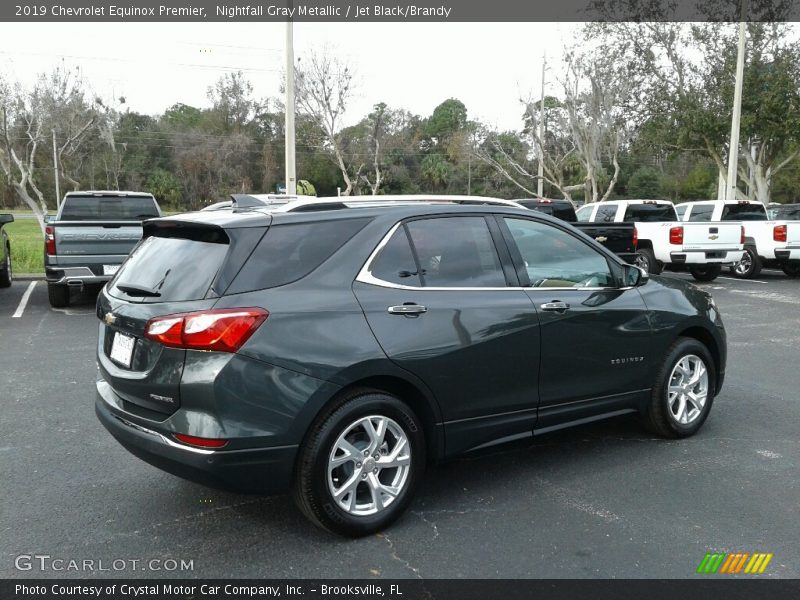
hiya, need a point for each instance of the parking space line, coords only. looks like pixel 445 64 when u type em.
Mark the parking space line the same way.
pixel 24 300
pixel 745 280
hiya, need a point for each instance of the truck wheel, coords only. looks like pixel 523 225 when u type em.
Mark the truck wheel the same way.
pixel 645 259
pixel 6 274
pixel 683 392
pixel 750 265
pixel 358 468
pixel 792 269
pixel 706 272
pixel 58 295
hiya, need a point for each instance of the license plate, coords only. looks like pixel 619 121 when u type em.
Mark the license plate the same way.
pixel 110 269
pixel 122 349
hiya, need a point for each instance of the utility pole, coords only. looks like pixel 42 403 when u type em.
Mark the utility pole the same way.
pixel 540 172
pixel 733 151
pixel 55 171
pixel 291 177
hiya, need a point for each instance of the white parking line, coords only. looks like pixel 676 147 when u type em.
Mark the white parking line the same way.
pixel 745 280
pixel 24 301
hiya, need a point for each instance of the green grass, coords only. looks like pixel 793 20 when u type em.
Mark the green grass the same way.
pixel 27 246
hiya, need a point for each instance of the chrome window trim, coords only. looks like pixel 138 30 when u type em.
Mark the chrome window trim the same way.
pixel 365 276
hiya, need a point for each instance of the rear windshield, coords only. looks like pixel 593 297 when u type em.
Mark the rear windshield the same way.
pixel 648 213
pixel 169 269
pixel 100 208
pixel 744 212
pixel 702 212
pixel 289 252
pixel 786 213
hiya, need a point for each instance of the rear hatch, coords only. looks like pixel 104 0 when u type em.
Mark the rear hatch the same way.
pixel 711 236
pixel 180 266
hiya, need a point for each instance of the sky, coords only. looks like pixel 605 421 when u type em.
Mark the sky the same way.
pixel 488 66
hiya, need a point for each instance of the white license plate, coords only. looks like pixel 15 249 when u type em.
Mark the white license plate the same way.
pixel 122 348
pixel 110 269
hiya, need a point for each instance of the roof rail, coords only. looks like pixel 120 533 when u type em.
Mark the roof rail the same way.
pixel 339 202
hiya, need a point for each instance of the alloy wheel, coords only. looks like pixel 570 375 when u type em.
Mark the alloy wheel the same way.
pixel 688 389
pixel 744 266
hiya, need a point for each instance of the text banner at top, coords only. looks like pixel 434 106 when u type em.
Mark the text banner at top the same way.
pixel 380 10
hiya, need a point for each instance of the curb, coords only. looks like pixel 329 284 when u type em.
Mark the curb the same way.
pixel 28 276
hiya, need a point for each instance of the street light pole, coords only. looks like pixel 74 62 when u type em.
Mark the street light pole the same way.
pixel 291 180
pixel 540 172
pixel 55 171
pixel 733 151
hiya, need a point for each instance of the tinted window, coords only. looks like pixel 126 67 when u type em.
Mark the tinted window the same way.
pixel 744 212
pixel 606 214
pixel 456 252
pixel 98 208
pixel 175 269
pixel 647 213
pixel 290 252
pixel 395 263
pixel 554 258
pixel 786 213
pixel 584 213
pixel 701 212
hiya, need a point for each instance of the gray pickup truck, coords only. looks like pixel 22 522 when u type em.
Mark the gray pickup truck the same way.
pixel 90 237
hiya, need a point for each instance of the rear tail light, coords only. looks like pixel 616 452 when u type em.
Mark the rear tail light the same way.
pixel 50 240
pixel 219 330
pixel 741 237
pixel 199 442
pixel 676 235
pixel 779 233
pixel 635 237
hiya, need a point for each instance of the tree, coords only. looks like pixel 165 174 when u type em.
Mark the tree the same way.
pixel 645 183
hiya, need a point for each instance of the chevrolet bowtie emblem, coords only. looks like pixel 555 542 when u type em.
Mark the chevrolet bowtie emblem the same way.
pixel 110 318
pixel 601 238
pixel 713 237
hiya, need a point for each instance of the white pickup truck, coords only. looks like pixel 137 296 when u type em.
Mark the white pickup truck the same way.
pixel 768 243
pixel 665 242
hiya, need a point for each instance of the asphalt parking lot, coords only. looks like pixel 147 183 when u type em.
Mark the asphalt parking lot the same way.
pixel 605 500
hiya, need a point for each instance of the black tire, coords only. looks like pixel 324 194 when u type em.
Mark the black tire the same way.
pixel 658 417
pixel 58 295
pixel 6 273
pixel 311 490
pixel 646 260
pixel 792 269
pixel 706 272
pixel 751 265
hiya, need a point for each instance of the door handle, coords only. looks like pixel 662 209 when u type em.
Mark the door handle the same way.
pixel 555 306
pixel 407 309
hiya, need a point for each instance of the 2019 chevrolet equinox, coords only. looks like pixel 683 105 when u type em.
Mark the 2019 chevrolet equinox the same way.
pixel 336 348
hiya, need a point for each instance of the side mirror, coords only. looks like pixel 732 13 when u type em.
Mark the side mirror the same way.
pixel 635 276
pixel 6 219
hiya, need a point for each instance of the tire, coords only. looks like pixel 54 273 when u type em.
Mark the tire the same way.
pixel 6 273
pixel 705 273
pixel 750 265
pixel 645 259
pixel 356 512
pixel 660 414
pixel 58 295
pixel 792 269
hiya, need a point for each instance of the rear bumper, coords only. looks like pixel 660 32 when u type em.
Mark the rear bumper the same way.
pixel 783 254
pixel 74 276
pixel 261 470
pixel 722 256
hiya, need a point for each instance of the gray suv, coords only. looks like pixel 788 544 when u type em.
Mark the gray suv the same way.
pixel 336 348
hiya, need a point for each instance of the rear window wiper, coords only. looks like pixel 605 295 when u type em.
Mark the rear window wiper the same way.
pixel 138 290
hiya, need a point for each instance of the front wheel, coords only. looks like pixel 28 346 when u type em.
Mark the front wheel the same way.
pixel 750 265
pixel 683 392
pixel 358 469
pixel 706 272
pixel 792 269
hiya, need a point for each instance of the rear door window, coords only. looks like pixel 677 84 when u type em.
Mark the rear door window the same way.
pixel 101 208
pixel 650 213
pixel 701 212
pixel 395 263
pixel 744 212
pixel 289 252
pixel 170 269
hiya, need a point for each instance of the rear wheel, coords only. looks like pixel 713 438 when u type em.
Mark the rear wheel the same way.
pixel 706 272
pixel 6 274
pixel 684 391
pixel 358 469
pixel 645 259
pixel 58 295
pixel 792 269
pixel 750 265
